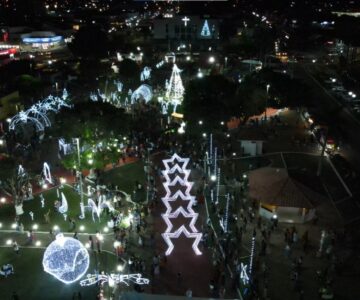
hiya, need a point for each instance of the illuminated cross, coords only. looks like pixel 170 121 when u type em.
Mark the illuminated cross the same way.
pixel 186 20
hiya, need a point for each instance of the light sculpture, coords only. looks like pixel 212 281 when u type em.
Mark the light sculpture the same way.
pixel 42 200
pixel 164 107
pixel 144 92
pixel 46 173
pixel 205 31
pixel 225 219
pixel 244 274
pixel 119 85
pixel 64 147
pixel 175 88
pixel 159 64
pixel 97 209
pixel 21 171
pixel 145 74
pixel 63 208
pixel 92 279
pixel 93 97
pixel 175 168
pixel 185 20
pixel 23 118
pixel 65 94
pixel 66 259
pixel 252 253
pixel 217 186
pixel 37 114
pixel 215 160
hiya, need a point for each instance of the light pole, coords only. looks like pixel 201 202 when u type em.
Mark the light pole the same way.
pixel 80 173
pixel 267 96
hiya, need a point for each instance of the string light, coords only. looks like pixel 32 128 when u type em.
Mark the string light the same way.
pixel 252 253
pixel 66 259
pixel 144 92
pixel 145 74
pixel 243 274
pixel 37 114
pixel 205 31
pixel 63 208
pixel 46 173
pixel 175 88
pixel 172 166
pixel 114 278
pixel 217 186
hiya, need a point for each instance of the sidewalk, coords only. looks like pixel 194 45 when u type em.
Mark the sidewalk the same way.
pixel 196 271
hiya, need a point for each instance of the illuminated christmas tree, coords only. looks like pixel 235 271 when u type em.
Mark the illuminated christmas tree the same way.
pixel 205 31
pixel 175 88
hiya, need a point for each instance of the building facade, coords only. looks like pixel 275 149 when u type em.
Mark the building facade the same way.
pixel 186 28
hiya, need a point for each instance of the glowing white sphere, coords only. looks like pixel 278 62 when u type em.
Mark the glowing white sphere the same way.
pixel 66 259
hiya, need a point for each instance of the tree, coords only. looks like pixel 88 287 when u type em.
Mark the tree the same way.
pixel 209 99
pixel 90 42
pixel 129 71
pixel 284 90
pixel 100 127
pixel 146 120
pixel 28 86
pixel 14 187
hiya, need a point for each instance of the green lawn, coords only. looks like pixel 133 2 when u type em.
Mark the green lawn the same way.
pixel 7 213
pixel 125 178
pixel 31 282
pixel 6 167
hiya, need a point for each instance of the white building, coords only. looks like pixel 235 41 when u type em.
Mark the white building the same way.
pixel 41 41
pixel 251 147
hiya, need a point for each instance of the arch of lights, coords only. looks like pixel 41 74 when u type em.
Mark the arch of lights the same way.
pixel 37 113
pixel 144 91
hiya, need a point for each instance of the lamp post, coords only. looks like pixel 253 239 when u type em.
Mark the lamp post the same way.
pixel 80 173
pixel 267 96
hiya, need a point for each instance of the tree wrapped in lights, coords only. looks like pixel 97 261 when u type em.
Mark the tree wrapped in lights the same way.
pixel 175 88
pixel 14 187
pixel 175 167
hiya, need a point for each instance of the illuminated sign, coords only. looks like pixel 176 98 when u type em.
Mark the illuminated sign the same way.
pixel 31 40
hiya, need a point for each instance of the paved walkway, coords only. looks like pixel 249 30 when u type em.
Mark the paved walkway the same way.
pixel 196 271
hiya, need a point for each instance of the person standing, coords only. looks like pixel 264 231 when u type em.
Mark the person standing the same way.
pixel 16 248
pixel 15 296
pixel 188 293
